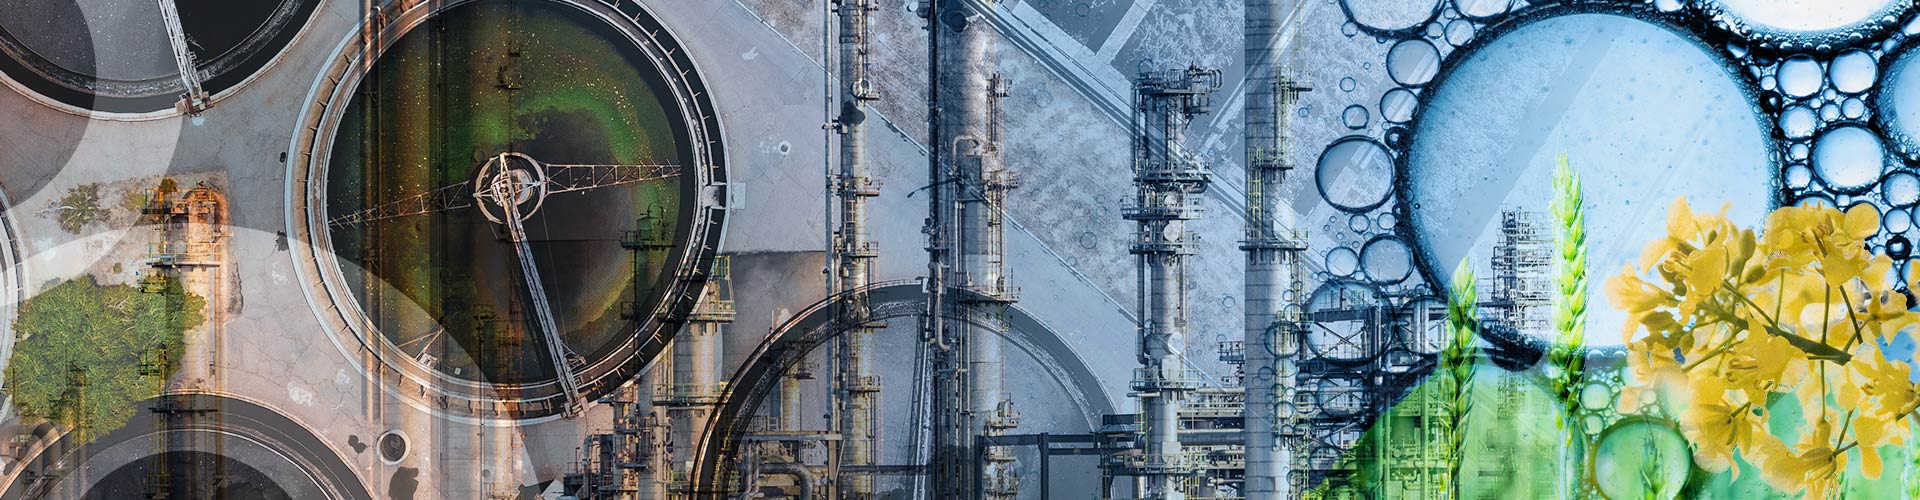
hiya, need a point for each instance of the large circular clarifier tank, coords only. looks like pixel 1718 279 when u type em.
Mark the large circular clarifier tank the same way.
pixel 116 56
pixel 190 446
pixel 609 153
pixel 1645 117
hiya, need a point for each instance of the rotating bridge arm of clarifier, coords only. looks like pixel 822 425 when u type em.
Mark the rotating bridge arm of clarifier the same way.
pixel 500 189
pixel 560 179
pixel 190 84
pixel 570 178
pixel 452 197
pixel 543 310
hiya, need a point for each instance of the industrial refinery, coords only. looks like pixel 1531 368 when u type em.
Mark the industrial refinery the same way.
pixel 958 249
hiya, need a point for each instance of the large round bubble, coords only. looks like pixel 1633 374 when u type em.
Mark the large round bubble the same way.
pixel 1390 14
pixel 1849 158
pixel 1355 173
pixel 1644 115
pixel 1482 8
pixel 1638 456
pixel 1386 260
pixel 1800 76
pixel 1804 15
pixel 1853 71
pixel 1413 62
pixel 1899 105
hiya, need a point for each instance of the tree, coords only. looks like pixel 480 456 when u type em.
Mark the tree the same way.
pixel 121 342
pixel 81 206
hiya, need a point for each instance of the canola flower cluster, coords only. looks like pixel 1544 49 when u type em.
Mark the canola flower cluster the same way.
pixel 1727 325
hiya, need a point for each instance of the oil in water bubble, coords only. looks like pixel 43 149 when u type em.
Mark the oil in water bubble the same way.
pixel 1853 71
pixel 1800 76
pixel 1848 157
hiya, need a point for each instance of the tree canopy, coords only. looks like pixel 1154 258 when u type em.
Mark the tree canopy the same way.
pixel 122 342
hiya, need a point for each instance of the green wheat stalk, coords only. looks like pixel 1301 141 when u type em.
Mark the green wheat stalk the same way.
pixel 1912 475
pixel 1650 473
pixel 1570 310
pixel 1567 355
pixel 1456 361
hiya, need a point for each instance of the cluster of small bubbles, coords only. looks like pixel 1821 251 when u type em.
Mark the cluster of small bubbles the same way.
pixel 1820 83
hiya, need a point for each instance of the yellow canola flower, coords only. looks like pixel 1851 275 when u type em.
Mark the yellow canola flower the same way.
pixel 1724 321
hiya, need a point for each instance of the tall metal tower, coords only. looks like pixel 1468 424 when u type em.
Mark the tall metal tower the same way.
pixel 1167 180
pixel 853 251
pixel 967 285
pixel 1521 294
pixel 696 386
pixel 1273 261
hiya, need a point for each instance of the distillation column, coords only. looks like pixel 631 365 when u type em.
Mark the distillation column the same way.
pixel 695 388
pixel 1168 181
pixel 853 250
pixel 1273 259
pixel 966 280
pixel 654 454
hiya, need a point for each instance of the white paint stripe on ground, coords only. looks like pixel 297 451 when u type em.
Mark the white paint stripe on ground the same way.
pixel 1124 31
